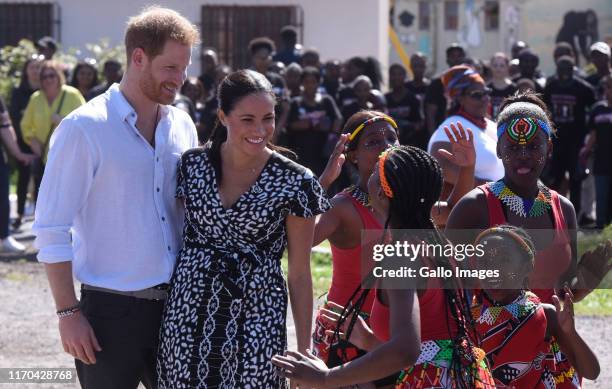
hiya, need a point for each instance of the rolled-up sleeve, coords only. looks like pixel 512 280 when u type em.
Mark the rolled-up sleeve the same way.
pixel 68 177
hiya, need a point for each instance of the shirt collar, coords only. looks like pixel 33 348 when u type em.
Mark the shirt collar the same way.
pixel 125 109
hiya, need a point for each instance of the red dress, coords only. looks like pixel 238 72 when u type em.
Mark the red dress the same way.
pixel 550 264
pixel 514 338
pixel 433 367
pixel 346 280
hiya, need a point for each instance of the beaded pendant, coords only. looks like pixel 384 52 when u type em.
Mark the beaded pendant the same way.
pixel 520 206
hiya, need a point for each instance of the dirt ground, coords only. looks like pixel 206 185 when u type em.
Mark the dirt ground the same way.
pixel 29 336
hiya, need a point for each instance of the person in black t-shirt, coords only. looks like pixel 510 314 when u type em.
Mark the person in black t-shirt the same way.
pixel 404 108
pixel 501 86
pixel 293 76
pixel 419 83
pixel 600 56
pixel 568 98
pixel 358 66
pixel 599 140
pixel 528 64
pixel 362 90
pixel 331 78
pixel 313 121
pixel 435 100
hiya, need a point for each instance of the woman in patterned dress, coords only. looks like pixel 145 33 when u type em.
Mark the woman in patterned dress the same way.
pixel 245 202
pixel 521 336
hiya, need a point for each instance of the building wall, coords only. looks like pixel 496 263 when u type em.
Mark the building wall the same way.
pixel 535 21
pixel 361 31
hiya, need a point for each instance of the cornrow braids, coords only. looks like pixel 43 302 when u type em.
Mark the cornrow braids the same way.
pixel 415 178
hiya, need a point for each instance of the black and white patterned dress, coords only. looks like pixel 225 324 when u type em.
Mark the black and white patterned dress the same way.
pixel 225 315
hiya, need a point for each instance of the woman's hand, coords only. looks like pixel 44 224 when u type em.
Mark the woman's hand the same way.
pixel 335 162
pixel 304 369
pixel 361 335
pixel 36 147
pixel 565 315
pixel 56 119
pixel 594 265
pixel 462 152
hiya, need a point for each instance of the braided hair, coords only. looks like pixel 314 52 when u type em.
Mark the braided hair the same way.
pixel 415 178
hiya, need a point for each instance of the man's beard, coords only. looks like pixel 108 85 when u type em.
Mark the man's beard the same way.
pixel 153 89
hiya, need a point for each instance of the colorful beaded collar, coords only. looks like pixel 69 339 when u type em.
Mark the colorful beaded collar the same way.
pixel 520 206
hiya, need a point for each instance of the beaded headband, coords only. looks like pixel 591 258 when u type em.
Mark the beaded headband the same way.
pixel 516 237
pixel 381 172
pixel 522 130
pixel 375 119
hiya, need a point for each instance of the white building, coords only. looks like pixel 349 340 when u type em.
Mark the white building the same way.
pixel 337 28
pixel 487 26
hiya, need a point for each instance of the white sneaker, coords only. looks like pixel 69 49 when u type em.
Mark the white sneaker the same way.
pixel 10 245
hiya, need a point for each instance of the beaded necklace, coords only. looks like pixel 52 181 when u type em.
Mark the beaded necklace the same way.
pixel 520 206
pixel 358 194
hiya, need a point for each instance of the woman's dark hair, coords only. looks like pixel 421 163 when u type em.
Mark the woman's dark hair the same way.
pixel 80 65
pixel 369 66
pixel 262 42
pixel 415 177
pixel 354 121
pixel 231 90
pixel 507 230
pixel 397 66
pixel 24 82
pixel 310 71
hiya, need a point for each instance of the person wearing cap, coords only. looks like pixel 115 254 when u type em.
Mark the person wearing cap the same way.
pixel 517 47
pixel 600 56
pixel 435 100
pixel 470 100
pixel 568 98
pixel 47 47
pixel 528 65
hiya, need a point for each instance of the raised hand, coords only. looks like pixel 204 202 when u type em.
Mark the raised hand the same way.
pixel 565 315
pixel 335 162
pixel 594 265
pixel 462 152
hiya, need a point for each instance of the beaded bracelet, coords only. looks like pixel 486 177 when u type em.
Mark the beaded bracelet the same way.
pixel 68 311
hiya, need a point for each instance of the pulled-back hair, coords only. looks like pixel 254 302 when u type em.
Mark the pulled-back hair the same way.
pixel 153 27
pixel 354 121
pixel 231 90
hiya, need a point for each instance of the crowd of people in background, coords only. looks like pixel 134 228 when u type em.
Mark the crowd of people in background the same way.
pixel 316 98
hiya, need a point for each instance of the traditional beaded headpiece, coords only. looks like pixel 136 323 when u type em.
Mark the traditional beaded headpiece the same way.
pixel 366 123
pixel 381 172
pixel 522 130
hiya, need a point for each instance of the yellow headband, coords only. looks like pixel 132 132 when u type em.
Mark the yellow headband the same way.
pixel 381 172
pixel 375 119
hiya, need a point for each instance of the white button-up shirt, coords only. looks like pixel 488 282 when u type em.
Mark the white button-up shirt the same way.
pixel 107 199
